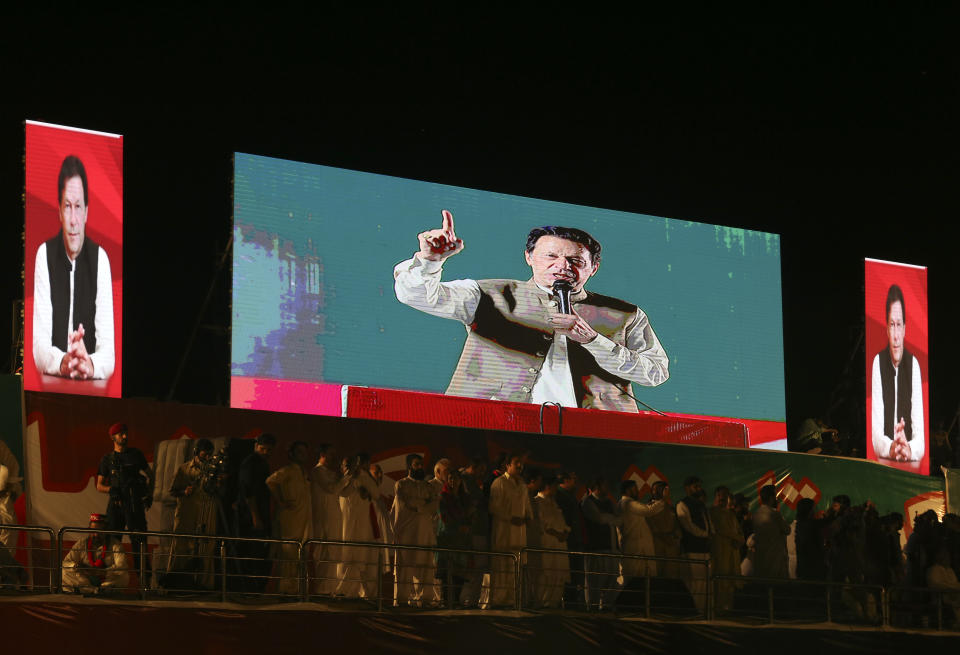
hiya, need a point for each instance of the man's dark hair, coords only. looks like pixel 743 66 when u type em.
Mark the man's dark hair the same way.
pixel 324 449
pixel 721 488
pixel 477 462
pixel 768 495
pixel 692 479
pixel 896 295
pixel 291 451
pixel 411 457
pixel 71 167
pixel 266 439
pixel 659 484
pixel 568 233
pixel 531 474
pixel 843 500
pixel 203 446
pixel 566 475
pixel 805 509
pixel 595 483
pixel 625 486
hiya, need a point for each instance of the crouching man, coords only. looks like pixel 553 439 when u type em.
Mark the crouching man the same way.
pixel 96 563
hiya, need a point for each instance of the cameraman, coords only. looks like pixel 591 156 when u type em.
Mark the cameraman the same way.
pixel 196 486
pixel 126 476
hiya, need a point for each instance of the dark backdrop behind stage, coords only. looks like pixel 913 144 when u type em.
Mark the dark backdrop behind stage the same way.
pixel 839 134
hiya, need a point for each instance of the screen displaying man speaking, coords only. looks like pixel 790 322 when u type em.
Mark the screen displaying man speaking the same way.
pixel 315 304
pixel 546 339
pixel 897 357
pixel 74 218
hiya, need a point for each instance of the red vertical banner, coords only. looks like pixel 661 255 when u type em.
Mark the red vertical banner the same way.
pixel 897 365
pixel 73 261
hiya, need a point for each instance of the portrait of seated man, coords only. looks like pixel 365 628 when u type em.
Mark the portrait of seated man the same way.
pixel 520 347
pixel 73 290
pixel 896 416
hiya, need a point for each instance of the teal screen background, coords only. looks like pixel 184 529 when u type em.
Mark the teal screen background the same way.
pixel 313 300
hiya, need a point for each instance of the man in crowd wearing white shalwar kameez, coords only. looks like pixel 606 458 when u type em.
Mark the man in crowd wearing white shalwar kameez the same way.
pixel 325 486
pixel 636 538
pixel 554 568
pixel 358 570
pixel 415 504
pixel 290 488
pixel 511 513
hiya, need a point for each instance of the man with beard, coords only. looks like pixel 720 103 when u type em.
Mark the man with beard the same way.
pixel 415 504
pixel 695 538
pixel 125 475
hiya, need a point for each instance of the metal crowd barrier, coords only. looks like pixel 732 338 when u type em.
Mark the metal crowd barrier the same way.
pixel 390 575
pixel 217 559
pixel 341 569
pixel 12 571
pixel 786 600
pixel 679 589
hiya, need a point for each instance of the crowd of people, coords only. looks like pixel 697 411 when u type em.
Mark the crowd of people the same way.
pixel 451 538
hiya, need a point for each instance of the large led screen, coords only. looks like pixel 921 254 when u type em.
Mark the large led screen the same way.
pixel 321 255
pixel 73 264
pixel 897 357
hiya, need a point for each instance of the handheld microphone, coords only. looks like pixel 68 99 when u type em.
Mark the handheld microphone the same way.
pixel 562 289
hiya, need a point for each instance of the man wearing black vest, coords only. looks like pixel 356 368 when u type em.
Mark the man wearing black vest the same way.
pixel 896 416
pixel 73 290
pixel 519 346
pixel 601 522
pixel 696 529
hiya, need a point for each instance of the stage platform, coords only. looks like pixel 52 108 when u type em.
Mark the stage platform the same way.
pixel 50 624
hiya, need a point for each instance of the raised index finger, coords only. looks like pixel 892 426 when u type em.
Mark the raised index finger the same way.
pixel 448 223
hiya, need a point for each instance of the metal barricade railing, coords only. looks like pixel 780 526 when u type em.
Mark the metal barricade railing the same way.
pixel 668 586
pixel 14 574
pixel 415 576
pixel 922 607
pixel 393 575
pixel 195 563
pixel 787 600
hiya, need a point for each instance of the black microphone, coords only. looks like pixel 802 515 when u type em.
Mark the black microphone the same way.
pixel 562 289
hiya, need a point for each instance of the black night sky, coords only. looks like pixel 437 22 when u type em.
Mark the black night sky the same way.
pixel 837 131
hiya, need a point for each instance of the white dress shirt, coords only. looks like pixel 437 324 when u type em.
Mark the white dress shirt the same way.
pixel 417 284
pixel 47 356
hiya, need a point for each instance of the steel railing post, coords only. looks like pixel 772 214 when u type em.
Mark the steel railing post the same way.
pixel 223 571
pixel 518 579
pixel 646 594
pixel 829 605
pixel 770 603
pixel 379 579
pixel 141 574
